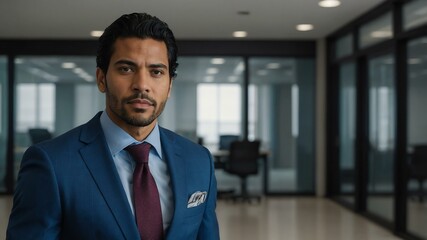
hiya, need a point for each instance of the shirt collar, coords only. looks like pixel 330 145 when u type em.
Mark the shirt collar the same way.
pixel 118 139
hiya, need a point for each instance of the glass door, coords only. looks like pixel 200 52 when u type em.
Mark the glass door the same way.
pixel 417 137
pixel 347 131
pixel 382 107
pixel 281 115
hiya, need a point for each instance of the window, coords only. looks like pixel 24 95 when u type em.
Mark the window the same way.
pixel 35 106
pixel 206 99
pixel 344 46
pixel 414 14
pixel 376 31
pixel 219 111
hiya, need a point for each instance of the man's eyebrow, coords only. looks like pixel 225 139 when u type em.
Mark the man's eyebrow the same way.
pixel 127 62
pixel 158 65
pixel 130 63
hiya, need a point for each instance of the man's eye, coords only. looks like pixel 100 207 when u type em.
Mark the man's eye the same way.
pixel 125 69
pixel 157 72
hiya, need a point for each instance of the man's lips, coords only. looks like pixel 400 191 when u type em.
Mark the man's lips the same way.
pixel 141 103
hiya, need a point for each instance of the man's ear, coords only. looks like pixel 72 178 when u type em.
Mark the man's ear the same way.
pixel 100 80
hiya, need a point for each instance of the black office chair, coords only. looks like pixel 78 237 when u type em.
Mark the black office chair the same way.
pixel 224 144
pixel 39 135
pixel 418 168
pixel 226 140
pixel 243 161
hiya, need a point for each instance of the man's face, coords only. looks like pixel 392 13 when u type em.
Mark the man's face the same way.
pixel 137 84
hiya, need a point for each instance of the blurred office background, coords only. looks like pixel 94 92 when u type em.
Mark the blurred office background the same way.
pixel 340 115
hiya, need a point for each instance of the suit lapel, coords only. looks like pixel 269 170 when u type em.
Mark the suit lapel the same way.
pixel 101 165
pixel 177 170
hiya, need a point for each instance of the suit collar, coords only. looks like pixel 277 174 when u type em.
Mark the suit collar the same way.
pixel 98 160
pixel 177 169
pixel 101 165
pixel 118 139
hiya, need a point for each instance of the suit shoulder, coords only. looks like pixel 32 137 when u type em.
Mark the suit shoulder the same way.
pixel 176 137
pixel 62 139
pixel 75 135
pixel 180 140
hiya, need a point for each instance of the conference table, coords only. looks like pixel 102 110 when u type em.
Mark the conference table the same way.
pixel 220 158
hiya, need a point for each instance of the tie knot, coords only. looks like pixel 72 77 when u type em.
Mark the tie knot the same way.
pixel 139 152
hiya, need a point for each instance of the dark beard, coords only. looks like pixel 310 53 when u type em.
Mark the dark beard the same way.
pixel 140 122
pixel 126 117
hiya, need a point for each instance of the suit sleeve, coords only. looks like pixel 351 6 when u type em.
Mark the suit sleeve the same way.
pixel 209 229
pixel 36 207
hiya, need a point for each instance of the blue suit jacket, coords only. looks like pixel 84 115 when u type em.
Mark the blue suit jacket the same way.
pixel 69 188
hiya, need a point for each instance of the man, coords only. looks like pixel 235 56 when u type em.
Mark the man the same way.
pixel 86 184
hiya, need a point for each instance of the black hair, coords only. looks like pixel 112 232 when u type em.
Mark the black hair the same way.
pixel 140 25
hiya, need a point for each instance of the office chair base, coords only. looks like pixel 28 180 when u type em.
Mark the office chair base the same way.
pixel 244 198
pixel 224 194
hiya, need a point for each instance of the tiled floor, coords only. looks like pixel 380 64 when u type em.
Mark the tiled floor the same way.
pixel 299 218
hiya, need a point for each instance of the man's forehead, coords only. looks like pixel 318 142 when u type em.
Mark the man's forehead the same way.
pixel 141 46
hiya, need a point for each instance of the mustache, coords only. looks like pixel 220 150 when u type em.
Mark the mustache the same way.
pixel 140 95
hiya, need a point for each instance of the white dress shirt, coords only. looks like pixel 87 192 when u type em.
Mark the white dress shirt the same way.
pixel 117 141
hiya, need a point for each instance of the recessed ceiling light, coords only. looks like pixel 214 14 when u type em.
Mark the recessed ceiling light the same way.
pixel 88 78
pixel 96 33
pixel 304 27
pixel 240 34
pixel 381 34
pixel 68 65
pixel 239 68
pixel 388 61
pixel 78 70
pixel 212 71
pixel 217 61
pixel 45 75
pixel 233 78
pixel 414 61
pixel 329 3
pixel 209 78
pixel 273 65
pixel 262 72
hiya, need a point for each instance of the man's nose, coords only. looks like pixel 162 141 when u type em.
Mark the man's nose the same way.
pixel 141 81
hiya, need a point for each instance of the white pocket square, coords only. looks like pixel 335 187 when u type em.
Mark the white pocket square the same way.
pixel 196 199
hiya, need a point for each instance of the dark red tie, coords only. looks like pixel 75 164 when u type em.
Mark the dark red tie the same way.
pixel 148 212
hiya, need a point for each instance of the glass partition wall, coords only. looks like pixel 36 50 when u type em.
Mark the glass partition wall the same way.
pixel 347 131
pixel 281 115
pixel 389 153
pixel 417 137
pixel 209 99
pixel 207 102
pixel 52 94
pixel 382 128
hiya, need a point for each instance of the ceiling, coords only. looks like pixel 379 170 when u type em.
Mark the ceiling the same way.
pixel 189 19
